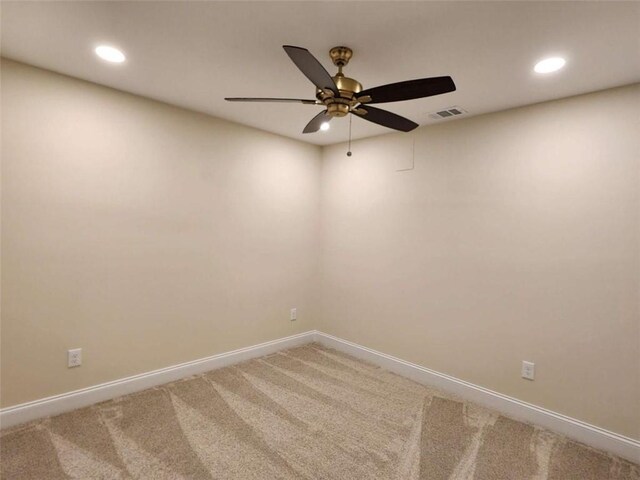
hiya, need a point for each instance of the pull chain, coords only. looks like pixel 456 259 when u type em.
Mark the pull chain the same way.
pixel 349 150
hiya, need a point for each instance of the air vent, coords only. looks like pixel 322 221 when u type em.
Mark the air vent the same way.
pixel 448 113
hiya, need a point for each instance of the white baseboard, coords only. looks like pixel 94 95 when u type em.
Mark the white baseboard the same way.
pixel 581 431
pixel 65 402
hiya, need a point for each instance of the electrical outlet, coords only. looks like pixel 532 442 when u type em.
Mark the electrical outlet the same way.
pixel 74 357
pixel 528 370
pixel 293 316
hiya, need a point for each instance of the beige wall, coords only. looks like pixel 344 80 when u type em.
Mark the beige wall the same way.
pixel 515 237
pixel 145 234
pixel 149 235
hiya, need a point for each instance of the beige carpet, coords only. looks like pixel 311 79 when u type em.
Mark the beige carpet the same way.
pixel 306 413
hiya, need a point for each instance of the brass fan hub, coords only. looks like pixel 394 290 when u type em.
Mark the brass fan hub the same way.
pixel 339 106
pixel 347 86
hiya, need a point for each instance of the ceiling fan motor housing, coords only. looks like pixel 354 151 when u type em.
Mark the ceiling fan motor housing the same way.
pixel 339 106
pixel 347 87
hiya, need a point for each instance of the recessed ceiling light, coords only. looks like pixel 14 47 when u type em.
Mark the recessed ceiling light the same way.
pixel 110 54
pixel 324 127
pixel 549 65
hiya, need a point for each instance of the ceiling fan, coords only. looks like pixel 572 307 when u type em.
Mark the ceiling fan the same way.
pixel 342 95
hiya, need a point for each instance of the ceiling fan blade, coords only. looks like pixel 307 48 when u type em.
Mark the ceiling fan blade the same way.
pixel 312 68
pixel 409 90
pixel 385 118
pixel 282 100
pixel 314 124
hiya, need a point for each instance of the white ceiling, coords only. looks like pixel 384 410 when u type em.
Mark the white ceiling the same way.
pixel 193 54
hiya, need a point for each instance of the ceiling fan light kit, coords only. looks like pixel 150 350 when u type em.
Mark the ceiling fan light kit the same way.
pixel 341 95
